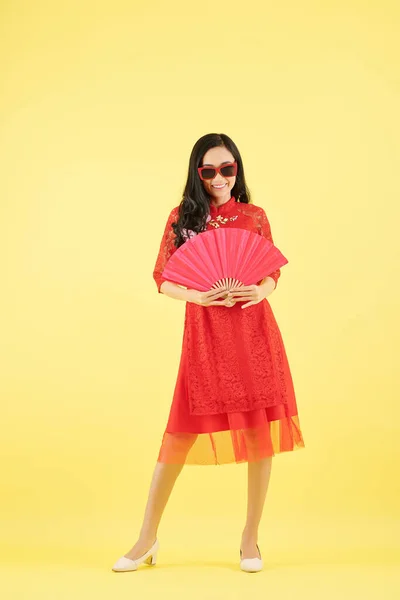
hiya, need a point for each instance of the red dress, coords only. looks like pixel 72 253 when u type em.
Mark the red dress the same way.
pixel 234 399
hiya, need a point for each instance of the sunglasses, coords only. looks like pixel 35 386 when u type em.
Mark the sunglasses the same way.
pixel 227 170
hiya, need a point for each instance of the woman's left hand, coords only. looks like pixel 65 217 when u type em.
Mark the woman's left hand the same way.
pixel 252 293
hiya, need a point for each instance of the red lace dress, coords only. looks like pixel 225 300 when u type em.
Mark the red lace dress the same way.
pixel 234 399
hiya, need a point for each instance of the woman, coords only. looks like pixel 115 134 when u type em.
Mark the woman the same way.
pixel 234 399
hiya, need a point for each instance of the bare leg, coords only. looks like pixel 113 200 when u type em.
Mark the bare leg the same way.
pixel 162 484
pixel 258 479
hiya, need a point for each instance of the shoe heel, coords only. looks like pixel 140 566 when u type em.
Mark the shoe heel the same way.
pixel 152 560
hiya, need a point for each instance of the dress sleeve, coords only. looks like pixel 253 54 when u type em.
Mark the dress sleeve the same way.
pixel 265 230
pixel 167 248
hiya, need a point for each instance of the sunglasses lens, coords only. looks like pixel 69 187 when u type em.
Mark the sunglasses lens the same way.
pixel 208 173
pixel 228 171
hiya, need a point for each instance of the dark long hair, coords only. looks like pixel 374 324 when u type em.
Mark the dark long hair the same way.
pixel 195 203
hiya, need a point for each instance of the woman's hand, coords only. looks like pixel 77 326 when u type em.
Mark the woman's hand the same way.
pixel 210 298
pixel 226 284
pixel 252 293
pixel 220 289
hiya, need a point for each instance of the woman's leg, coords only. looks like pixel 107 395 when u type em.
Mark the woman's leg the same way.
pixel 259 473
pixel 162 484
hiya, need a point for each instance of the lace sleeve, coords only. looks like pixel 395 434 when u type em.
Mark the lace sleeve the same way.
pixel 167 248
pixel 265 230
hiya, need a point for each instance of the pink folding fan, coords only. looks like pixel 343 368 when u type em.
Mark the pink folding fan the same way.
pixel 213 256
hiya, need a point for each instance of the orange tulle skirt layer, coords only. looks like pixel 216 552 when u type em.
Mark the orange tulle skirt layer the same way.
pixel 230 437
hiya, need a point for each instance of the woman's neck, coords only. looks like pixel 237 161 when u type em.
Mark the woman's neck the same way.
pixel 217 202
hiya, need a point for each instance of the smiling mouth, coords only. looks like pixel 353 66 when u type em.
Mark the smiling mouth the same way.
pixel 219 186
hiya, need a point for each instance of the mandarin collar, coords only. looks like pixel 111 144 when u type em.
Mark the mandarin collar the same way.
pixel 214 210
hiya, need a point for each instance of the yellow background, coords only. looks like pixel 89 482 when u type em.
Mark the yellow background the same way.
pixel 101 104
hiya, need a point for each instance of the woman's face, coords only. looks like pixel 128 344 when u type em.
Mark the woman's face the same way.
pixel 220 187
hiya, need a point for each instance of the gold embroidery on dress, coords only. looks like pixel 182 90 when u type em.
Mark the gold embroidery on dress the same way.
pixel 221 220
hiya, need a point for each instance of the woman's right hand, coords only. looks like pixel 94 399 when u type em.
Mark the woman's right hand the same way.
pixel 210 298
pixel 220 289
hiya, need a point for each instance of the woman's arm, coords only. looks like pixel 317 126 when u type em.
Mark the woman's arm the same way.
pixel 264 229
pixel 268 284
pixel 173 290
pixel 166 249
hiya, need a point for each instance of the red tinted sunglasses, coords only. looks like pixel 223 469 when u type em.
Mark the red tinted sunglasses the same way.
pixel 227 170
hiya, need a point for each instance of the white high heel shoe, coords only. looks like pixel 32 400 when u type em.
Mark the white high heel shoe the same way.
pixel 251 565
pixel 127 564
